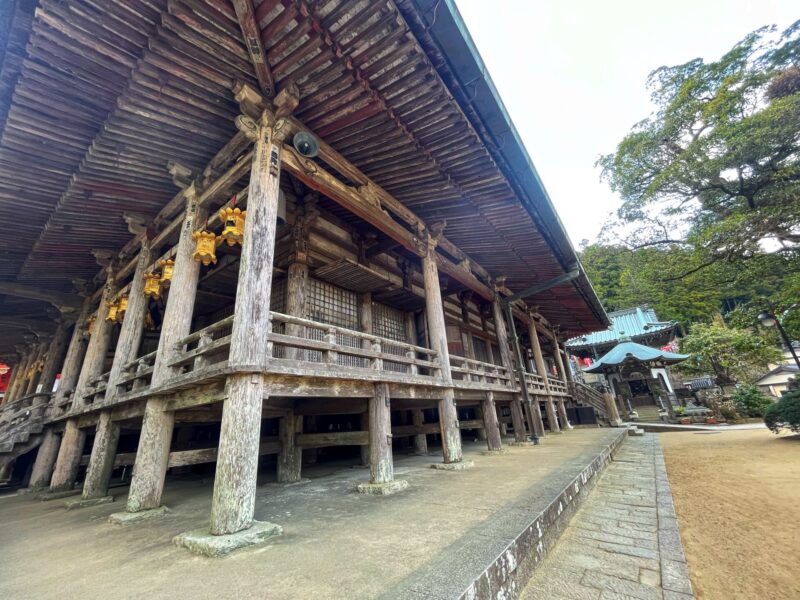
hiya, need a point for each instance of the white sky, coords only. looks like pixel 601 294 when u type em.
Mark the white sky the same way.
pixel 572 76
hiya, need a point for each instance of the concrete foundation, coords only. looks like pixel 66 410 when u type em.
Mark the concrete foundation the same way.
pixel 202 542
pixel 128 518
pixel 382 489
pixel 84 503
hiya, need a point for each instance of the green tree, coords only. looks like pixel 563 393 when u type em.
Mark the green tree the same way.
pixel 731 355
pixel 716 169
pixel 750 401
pixel 625 277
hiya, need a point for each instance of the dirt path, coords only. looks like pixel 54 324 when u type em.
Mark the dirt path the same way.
pixel 737 495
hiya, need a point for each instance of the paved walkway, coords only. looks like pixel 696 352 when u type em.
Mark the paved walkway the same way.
pixel 624 542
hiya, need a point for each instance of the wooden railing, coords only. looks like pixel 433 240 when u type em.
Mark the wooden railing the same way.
pixel 346 349
pixel 587 395
pixel 535 384
pixel 21 418
pixel 476 371
pixel 136 374
pixel 95 391
pixel 309 344
pixel 557 386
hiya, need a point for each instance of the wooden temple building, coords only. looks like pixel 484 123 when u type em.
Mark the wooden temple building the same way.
pixel 255 234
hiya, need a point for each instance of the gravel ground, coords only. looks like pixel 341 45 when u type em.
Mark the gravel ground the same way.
pixel 737 496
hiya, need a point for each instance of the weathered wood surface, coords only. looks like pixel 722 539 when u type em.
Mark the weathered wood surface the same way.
pixel 46 456
pixel 332 438
pixel 69 457
pixel 233 502
pixel 448 418
pixel 152 457
pixel 290 458
pixel 381 467
pixel 130 335
pixel 56 354
pixel 101 460
pixel 177 320
pixel 99 341
pixel 490 424
pixel 541 369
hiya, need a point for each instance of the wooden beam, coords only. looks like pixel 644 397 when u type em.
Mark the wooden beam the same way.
pixel 57 299
pixel 245 13
pixel 336 438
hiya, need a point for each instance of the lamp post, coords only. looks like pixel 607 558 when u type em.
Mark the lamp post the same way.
pixel 770 320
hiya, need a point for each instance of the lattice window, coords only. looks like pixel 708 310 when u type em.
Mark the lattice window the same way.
pixel 330 304
pixel 481 350
pixel 454 343
pixel 277 303
pixel 389 322
pixel 497 358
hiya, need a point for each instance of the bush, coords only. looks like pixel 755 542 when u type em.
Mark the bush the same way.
pixel 784 413
pixel 749 401
pixel 728 410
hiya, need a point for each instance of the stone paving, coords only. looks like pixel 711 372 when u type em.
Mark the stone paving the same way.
pixel 624 541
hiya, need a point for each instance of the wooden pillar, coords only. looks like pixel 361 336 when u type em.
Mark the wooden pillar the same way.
pixel 448 416
pixel 381 467
pixel 237 459
pixel 55 357
pixel 490 424
pixel 12 382
pixel 45 461
pixel 75 352
pixel 130 334
pixel 152 455
pixel 562 409
pixel 38 356
pixel 365 325
pixel 562 414
pixel 538 360
pixel 99 341
pixel 562 371
pixel 518 419
pixel 20 380
pixel 69 457
pixel 101 460
pixel 290 455
pixel 420 440
pixel 296 295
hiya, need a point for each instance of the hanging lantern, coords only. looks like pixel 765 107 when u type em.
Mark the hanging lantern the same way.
pixel 123 306
pixel 113 309
pixel 167 266
pixel 233 233
pixel 152 288
pixel 205 247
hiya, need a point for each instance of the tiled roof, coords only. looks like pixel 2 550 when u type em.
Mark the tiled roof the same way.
pixel 628 323
pixel 624 350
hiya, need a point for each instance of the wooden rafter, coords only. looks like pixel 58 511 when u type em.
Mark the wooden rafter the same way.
pixel 245 13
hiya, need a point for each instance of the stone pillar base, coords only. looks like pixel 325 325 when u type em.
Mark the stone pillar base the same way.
pixel 461 465
pixel 127 518
pixel 494 452
pixel 382 489
pixel 202 542
pixel 84 503
pixel 57 494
